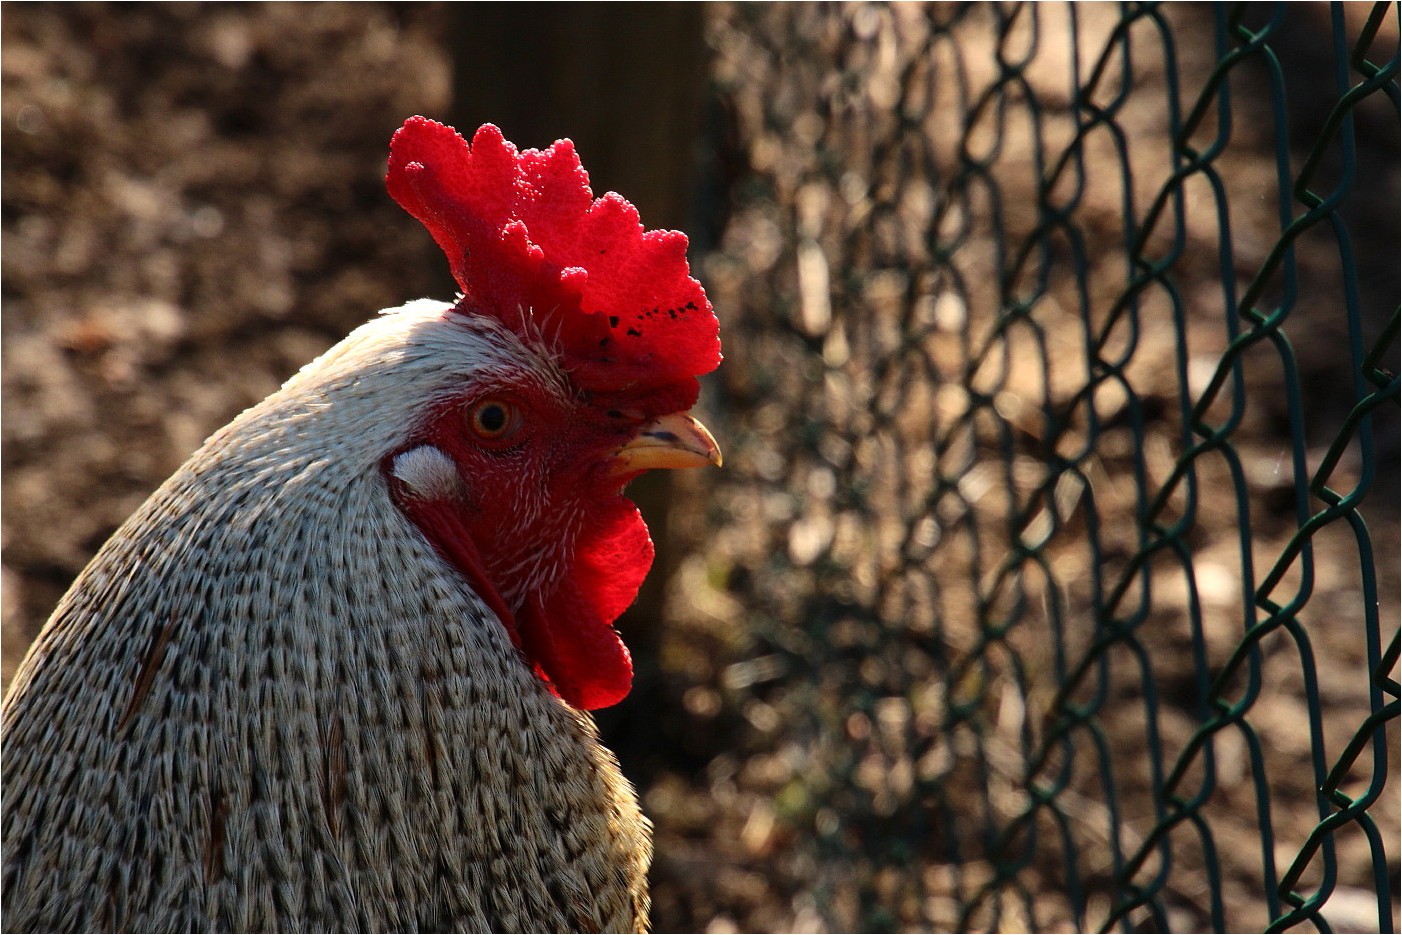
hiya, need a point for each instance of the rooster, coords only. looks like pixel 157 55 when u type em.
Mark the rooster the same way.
pixel 334 674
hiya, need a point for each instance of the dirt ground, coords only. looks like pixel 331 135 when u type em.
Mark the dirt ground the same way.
pixel 193 207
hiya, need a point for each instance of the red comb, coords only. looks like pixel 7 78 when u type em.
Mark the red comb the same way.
pixel 531 247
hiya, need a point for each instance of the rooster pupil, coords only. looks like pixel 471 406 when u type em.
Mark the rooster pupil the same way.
pixel 491 418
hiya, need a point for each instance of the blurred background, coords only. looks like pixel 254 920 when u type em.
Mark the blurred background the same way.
pixel 1052 579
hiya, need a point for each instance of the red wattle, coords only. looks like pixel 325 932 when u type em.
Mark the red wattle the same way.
pixel 582 659
pixel 566 634
pixel 569 632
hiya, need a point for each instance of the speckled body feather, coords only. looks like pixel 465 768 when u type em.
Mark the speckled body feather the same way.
pixel 269 705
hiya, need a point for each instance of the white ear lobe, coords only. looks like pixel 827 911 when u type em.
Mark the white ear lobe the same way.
pixel 428 473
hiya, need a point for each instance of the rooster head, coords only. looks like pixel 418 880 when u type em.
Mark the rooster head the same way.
pixel 592 335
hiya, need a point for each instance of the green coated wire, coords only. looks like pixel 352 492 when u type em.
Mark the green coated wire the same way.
pixel 1126 863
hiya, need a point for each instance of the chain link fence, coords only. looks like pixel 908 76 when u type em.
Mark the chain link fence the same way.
pixel 1062 433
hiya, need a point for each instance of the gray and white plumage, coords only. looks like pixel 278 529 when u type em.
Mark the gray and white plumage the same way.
pixel 270 704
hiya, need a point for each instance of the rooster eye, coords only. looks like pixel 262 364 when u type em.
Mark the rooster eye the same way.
pixel 492 419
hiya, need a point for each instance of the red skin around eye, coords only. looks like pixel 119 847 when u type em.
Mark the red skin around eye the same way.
pixel 545 536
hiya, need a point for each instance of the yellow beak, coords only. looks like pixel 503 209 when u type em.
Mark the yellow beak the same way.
pixel 672 441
